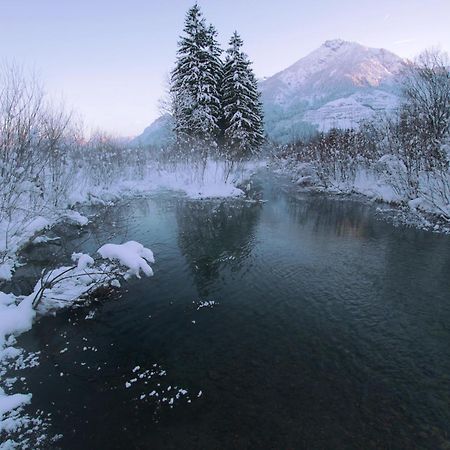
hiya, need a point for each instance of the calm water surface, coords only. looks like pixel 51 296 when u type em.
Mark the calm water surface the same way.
pixel 331 330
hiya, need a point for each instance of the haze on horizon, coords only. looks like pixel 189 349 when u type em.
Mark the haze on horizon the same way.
pixel 109 61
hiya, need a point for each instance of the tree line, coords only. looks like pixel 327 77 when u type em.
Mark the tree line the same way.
pixel 215 102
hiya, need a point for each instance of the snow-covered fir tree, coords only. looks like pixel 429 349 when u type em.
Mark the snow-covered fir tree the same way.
pixel 242 108
pixel 195 81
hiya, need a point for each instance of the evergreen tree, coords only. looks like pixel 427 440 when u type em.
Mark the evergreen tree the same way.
pixel 195 80
pixel 242 108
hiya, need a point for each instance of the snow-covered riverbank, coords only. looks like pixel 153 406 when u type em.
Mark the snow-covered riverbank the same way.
pixel 380 183
pixel 195 182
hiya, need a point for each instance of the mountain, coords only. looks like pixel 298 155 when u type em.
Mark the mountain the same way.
pixel 336 85
pixel 158 134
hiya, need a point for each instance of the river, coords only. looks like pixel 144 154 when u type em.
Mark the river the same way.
pixel 328 328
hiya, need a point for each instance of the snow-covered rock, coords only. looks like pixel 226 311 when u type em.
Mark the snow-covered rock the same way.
pixel 83 260
pixel 132 254
pixel 76 218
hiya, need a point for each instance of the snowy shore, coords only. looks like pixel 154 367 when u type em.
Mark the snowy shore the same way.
pixel 427 210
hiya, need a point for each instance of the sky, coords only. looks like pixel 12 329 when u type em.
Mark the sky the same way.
pixel 109 60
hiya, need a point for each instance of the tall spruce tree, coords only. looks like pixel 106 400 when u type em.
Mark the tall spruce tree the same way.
pixel 195 81
pixel 242 108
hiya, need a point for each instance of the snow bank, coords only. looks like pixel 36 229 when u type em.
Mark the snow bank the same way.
pixel 211 180
pixel 208 182
pixel 132 254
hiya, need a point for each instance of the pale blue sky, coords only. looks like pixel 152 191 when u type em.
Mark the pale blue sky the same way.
pixel 109 58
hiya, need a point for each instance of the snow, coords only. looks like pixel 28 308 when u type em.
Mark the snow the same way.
pixel 206 304
pixel 336 85
pixel 36 225
pixel 14 318
pixel 76 218
pixel 194 181
pixel 6 270
pixel 348 112
pixel 44 240
pixel 383 182
pixel 82 260
pixel 131 254
pixel 10 402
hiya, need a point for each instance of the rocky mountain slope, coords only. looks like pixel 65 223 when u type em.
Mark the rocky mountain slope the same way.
pixel 336 85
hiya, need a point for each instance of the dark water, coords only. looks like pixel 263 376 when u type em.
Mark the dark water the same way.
pixel 331 331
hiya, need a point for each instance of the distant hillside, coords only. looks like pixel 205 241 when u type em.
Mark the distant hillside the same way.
pixel 159 133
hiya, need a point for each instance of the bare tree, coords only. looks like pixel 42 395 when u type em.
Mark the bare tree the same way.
pixel 33 143
pixel 425 113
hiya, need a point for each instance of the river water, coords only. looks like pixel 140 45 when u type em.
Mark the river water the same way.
pixel 330 329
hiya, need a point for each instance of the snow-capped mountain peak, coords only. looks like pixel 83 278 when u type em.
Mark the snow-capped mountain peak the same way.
pixel 335 71
pixel 336 63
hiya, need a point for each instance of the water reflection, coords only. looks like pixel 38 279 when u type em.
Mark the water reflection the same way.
pixel 343 218
pixel 214 235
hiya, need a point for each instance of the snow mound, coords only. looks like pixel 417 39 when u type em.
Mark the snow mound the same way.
pixel 82 260
pixel 76 218
pixel 131 254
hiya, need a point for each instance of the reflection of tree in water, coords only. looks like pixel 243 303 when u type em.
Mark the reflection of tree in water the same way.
pixel 214 235
pixel 343 218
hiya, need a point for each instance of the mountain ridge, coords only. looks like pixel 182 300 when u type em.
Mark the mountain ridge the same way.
pixel 336 85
